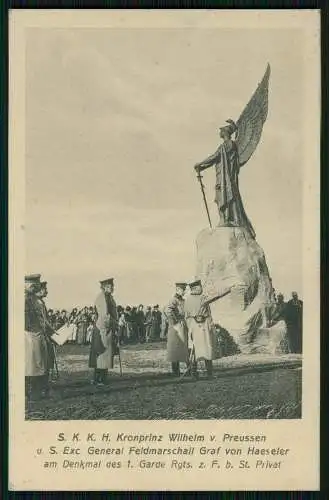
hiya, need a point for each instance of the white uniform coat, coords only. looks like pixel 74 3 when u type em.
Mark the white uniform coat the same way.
pixel 177 349
pixel 107 324
pixel 201 331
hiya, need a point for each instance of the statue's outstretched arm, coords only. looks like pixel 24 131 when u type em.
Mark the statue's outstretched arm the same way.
pixel 208 300
pixel 208 162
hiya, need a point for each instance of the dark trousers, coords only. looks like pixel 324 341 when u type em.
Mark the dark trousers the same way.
pixel 175 368
pixel 36 387
pixel 100 375
pixel 141 333
pixel 295 337
pixel 209 367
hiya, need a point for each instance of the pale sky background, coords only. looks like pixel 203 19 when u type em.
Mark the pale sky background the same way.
pixel 115 121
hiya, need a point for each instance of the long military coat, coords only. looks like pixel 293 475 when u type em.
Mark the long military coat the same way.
pixel 177 344
pixel 38 359
pixel 103 344
pixel 200 328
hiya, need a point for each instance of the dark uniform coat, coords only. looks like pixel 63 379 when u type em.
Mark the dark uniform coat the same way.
pixel 49 330
pixel 177 341
pixel 294 320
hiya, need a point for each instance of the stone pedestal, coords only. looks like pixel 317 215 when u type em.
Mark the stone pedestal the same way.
pixel 229 259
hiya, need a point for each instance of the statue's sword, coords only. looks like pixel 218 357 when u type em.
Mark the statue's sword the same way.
pixel 199 176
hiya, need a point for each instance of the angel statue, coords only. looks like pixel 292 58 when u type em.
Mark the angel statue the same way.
pixel 231 155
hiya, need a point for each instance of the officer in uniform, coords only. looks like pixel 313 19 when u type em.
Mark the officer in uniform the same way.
pixel 201 332
pixel 36 346
pixel 177 341
pixel 42 293
pixel 104 342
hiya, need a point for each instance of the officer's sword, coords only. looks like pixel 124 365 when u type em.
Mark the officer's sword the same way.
pixel 120 361
pixel 199 176
pixel 55 363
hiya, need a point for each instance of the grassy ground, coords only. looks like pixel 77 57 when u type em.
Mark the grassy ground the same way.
pixel 243 387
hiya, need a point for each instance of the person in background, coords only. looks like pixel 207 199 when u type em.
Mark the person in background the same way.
pixel 122 333
pixel 62 318
pixel 140 318
pixel 148 324
pixel 72 321
pixel 294 320
pixel 91 312
pixel 104 344
pixel 82 324
pixel 73 315
pixel 51 316
pixel 129 324
pixel 153 325
pixel 56 320
pixel 279 312
pixel 156 323
pixel 90 330
pixel 134 323
pixel 164 326
pixel 42 294
pixel 177 339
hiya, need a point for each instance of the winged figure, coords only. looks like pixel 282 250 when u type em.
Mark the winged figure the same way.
pixel 231 155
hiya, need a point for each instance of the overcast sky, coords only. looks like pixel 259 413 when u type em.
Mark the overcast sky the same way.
pixel 115 121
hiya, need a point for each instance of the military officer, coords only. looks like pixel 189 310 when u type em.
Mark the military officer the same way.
pixel 36 347
pixel 177 341
pixel 42 293
pixel 104 342
pixel 201 332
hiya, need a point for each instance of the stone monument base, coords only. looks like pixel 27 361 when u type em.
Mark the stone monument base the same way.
pixel 230 260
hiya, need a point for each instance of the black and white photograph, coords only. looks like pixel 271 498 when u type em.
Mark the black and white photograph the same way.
pixel 164 250
pixel 163 227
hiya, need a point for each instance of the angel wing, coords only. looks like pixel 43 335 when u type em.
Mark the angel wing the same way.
pixel 250 124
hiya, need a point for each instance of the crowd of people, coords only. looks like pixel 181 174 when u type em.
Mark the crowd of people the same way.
pixel 136 324
pixel 291 312
pixel 186 324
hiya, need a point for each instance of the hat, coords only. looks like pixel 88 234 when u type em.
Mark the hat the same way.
pixel 195 284
pixel 33 278
pixel 231 127
pixel 107 281
pixel 181 285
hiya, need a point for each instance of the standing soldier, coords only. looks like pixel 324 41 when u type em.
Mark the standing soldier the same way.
pixel 148 324
pixel 177 342
pixel 294 320
pixel 49 330
pixel 140 323
pixel 36 347
pixel 200 328
pixel 157 322
pixel 104 343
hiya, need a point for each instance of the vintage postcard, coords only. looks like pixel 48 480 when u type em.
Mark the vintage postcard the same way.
pixel 164 250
